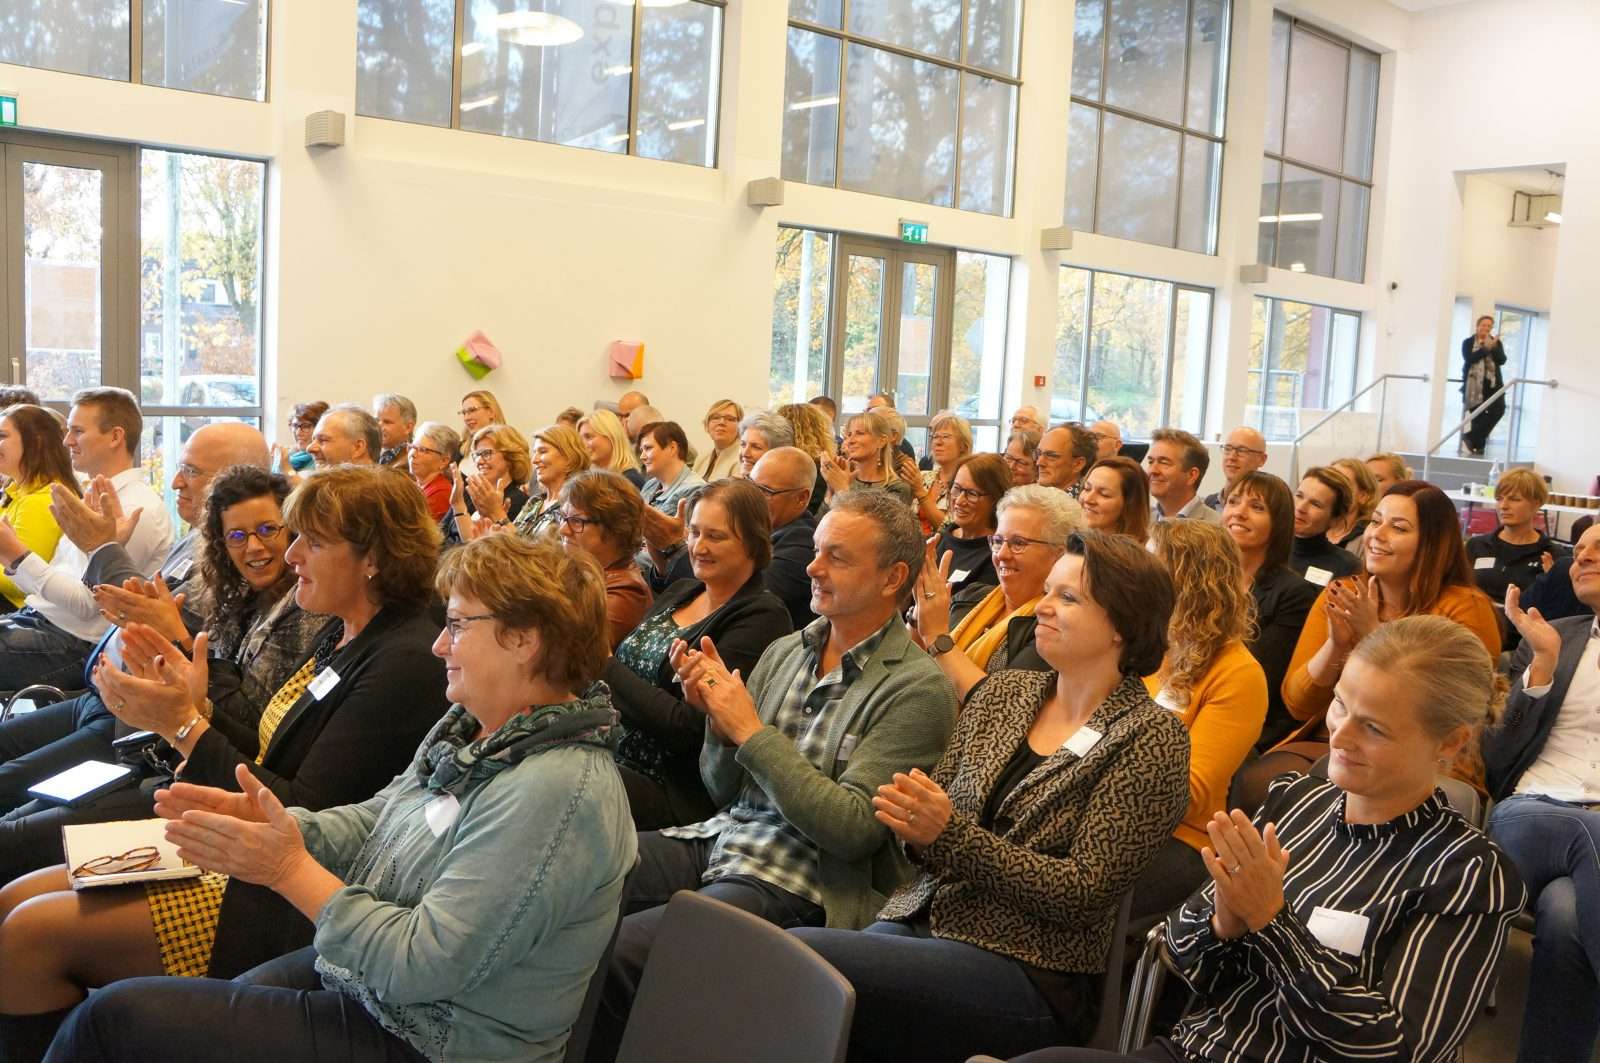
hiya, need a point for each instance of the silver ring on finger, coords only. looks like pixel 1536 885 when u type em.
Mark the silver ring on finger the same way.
pixel 911 817
pixel 927 596
pixel 1235 869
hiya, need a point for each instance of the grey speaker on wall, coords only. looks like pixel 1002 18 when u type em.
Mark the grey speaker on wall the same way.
pixel 1254 273
pixel 1057 239
pixel 325 129
pixel 765 192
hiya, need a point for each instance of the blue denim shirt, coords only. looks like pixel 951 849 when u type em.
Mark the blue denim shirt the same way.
pixel 474 939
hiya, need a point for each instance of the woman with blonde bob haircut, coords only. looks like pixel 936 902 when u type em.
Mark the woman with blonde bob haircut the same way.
pixel 607 442
pixel 558 455
pixel 432 938
pixel 1209 678
pixel 1356 916
pixel 722 428
pixel 869 453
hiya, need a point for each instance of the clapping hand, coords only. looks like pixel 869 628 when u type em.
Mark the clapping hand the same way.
pixel 932 608
pixel 1248 868
pixel 489 496
pixel 1352 607
pixel 914 807
pixel 1537 632
pixel 162 690
pixel 262 846
pixel 835 474
pixel 11 547
pixel 173 801
pixel 147 602
pixel 94 520
pixel 709 686
pixel 907 470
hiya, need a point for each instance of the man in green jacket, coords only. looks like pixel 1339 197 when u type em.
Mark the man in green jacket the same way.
pixel 830 713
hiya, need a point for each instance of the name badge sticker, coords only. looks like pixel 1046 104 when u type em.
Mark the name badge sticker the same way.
pixel 1082 740
pixel 847 747
pixel 325 681
pixel 441 812
pixel 960 574
pixel 181 570
pixel 1319 576
pixel 1483 562
pixel 1344 932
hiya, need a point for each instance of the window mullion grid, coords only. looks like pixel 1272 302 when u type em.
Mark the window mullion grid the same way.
pixel 1088 332
pixel 456 63
pixel 1183 113
pixel 903 52
pixel 635 84
pixel 1172 346
pixel 136 42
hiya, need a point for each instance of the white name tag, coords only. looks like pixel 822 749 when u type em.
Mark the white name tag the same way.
pixel 441 812
pixel 180 571
pixel 325 681
pixel 1082 740
pixel 960 574
pixel 847 747
pixel 1483 562
pixel 1344 932
pixel 1319 576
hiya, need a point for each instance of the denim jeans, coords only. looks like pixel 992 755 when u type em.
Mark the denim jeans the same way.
pixel 276 1012
pixel 934 1000
pixel 1556 849
pixel 33 650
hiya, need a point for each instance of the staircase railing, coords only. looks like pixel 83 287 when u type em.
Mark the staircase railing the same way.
pixel 1383 403
pixel 1510 385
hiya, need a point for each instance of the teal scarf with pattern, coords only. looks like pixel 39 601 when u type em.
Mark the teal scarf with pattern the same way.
pixel 451 759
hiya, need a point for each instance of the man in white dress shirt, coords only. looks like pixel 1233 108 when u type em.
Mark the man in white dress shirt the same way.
pixel 1175 464
pixel 48 639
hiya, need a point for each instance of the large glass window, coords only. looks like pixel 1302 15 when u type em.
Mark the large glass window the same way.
pixel 212 46
pixel 1145 129
pixel 1316 184
pixel 1133 350
pixel 1302 357
pixel 638 79
pixel 915 99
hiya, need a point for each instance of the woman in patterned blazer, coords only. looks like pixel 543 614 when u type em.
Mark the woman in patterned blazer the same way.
pixel 1056 791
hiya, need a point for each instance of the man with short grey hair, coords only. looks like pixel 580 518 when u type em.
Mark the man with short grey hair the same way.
pixel 1107 439
pixel 794 758
pixel 787 476
pixel 397 420
pixel 346 435
pixel 1026 419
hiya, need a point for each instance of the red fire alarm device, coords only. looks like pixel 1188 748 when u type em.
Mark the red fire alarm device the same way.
pixel 1038 381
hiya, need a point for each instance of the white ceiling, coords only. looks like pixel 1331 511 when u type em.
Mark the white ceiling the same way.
pixel 1528 179
pixel 1424 5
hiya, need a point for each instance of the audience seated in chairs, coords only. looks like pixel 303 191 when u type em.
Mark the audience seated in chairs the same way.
pixel 397 421
pixel 1243 452
pixel 949 441
pixel 829 715
pixel 440 943
pixel 49 639
pixel 347 434
pixel 1176 465
pixel 435 449
pixel 1415 564
pixel 722 428
pixel 1322 500
pixel 760 432
pixel 1212 682
pixel 32 457
pixel 1258 512
pixel 1054 795
pixel 658 753
pixel 1064 455
pixel 1516 553
pixel 558 454
pixel 1540 768
pixel 664 450
pixel 1021 456
pixel 600 514
pixel 607 443
pixel 963 551
pixel 349 717
pixel 479 410
pixel 240 589
pixel 1116 498
pixel 496 490
pixel 786 476
pixel 1347 533
pixel 994 627
pixel 1357 917
pixel 869 459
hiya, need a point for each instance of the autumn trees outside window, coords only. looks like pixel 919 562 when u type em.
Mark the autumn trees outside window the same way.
pixel 1302 356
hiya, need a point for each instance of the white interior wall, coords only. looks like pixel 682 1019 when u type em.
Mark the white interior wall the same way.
pixel 1499 264
pixel 385 253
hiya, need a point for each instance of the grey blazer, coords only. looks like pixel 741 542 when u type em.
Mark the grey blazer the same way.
pixel 1513 745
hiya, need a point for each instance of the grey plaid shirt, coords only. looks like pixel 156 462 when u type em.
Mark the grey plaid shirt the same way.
pixel 752 837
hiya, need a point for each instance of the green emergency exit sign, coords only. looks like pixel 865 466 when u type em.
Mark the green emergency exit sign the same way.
pixel 8 110
pixel 913 232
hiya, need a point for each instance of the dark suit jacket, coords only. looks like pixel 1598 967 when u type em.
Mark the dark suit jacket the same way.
pixel 792 551
pixel 337 750
pixel 1283 599
pixel 1511 747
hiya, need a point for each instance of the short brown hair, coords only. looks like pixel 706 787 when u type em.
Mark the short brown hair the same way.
pixel 746 507
pixel 989 475
pixel 116 408
pixel 44 456
pixel 1134 589
pixel 1344 492
pixel 611 501
pixel 1134 522
pixel 308 413
pixel 535 585
pixel 1525 484
pixel 667 433
pixel 512 445
pixel 382 515
pixel 1195 454
pixel 1084 445
pixel 1279 500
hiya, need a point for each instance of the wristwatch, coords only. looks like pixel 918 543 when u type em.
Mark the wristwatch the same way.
pixel 941 645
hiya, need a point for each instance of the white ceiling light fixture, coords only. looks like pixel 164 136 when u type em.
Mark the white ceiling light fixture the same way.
pixel 1297 267
pixel 652 3
pixel 1268 219
pixel 1553 217
pixel 472 48
pixel 617 71
pixel 689 123
pixel 815 101
pixel 536 29
pixel 485 101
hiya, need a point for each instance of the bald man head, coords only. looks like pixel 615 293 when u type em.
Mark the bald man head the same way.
pixel 211 449
pixel 630 402
pixel 1107 439
pixel 1244 451
pixel 786 476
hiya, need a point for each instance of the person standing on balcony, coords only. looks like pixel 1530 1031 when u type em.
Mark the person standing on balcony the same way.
pixel 1482 355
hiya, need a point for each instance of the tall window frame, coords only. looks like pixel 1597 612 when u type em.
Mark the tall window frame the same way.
pixel 1078 371
pixel 1352 181
pixel 1088 99
pixel 963 66
pixel 1333 337
pixel 137 56
pixel 631 137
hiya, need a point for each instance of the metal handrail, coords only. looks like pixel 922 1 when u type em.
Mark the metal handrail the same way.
pixel 1514 382
pixel 1383 402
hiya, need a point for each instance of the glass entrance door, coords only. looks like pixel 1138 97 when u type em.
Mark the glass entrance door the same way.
pixel 895 319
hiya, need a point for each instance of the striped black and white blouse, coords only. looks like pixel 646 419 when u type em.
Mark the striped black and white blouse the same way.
pixel 1384 951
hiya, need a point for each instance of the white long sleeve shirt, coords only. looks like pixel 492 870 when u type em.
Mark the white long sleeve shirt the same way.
pixel 55 588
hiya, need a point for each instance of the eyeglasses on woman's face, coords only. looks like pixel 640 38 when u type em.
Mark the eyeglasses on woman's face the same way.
pixel 725 418
pixel 576 521
pixel 468 411
pixel 427 450
pixel 455 625
pixel 971 494
pixel 483 456
pixel 1018 543
pixel 238 537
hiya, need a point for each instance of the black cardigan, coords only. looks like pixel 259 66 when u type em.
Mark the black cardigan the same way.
pixel 1283 601
pixel 785 576
pixel 338 750
pixel 1021 652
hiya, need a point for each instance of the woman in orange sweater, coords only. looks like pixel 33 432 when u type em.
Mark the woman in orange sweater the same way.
pixel 1415 565
pixel 1211 680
